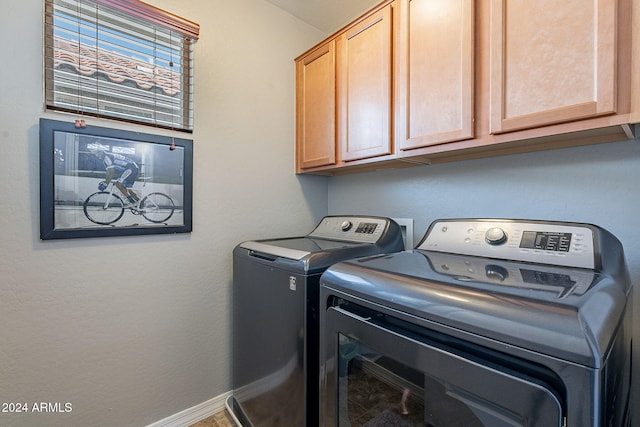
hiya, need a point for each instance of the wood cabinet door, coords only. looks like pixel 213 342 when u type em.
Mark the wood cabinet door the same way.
pixel 551 61
pixel 364 87
pixel 316 108
pixel 435 72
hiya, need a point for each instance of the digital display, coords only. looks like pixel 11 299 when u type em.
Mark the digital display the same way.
pixel 367 228
pixel 546 241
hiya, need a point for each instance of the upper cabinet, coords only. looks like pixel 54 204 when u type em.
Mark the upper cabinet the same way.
pixel 429 81
pixel 551 61
pixel 316 108
pixel 435 72
pixel 364 87
pixel 345 95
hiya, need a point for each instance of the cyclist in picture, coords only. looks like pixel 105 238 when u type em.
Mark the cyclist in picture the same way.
pixel 117 165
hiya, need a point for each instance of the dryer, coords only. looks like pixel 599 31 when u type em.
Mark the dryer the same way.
pixel 487 323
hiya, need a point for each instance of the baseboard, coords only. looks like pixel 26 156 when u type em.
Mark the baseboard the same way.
pixel 194 414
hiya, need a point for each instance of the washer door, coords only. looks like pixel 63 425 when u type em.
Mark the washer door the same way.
pixel 376 376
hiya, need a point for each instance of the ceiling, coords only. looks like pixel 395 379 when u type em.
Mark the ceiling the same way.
pixel 325 15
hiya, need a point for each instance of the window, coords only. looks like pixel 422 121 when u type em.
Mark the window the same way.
pixel 119 59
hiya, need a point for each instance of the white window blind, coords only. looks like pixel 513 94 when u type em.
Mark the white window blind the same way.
pixel 120 59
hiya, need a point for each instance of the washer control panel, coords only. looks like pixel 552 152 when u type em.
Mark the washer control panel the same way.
pixel 567 245
pixel 350 228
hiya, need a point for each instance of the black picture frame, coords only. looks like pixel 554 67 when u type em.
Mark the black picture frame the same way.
pixel 72 165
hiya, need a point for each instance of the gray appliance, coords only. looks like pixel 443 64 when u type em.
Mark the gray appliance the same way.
pixel 275 315
pixel 487 323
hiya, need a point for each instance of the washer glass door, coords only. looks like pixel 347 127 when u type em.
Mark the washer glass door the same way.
pixel 379 377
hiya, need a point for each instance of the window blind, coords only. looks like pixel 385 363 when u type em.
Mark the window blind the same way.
pixel 120 59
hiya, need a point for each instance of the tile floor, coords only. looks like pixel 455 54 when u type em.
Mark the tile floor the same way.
pixel 219 419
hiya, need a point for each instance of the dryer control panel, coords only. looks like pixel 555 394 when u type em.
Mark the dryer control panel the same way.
pixel 350 228
pixel 568 245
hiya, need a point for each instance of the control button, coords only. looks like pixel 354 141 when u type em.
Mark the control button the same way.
pixel 496 273
pixel 495 236
pixel 346 225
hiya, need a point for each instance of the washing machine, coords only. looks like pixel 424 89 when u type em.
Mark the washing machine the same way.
pixel 487 323
pixel 275 315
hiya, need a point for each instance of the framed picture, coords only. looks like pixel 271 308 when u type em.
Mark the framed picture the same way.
pixel 99 182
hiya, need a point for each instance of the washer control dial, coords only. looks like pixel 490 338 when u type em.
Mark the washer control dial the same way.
pixel 495 236
pixel 346 225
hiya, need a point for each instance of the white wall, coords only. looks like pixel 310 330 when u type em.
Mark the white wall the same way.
pixel 598 184
pixel 130 330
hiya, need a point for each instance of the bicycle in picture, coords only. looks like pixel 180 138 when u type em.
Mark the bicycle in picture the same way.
pixel 106 207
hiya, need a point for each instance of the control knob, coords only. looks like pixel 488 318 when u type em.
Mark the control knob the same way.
pixel 495 236
pixel 346 225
